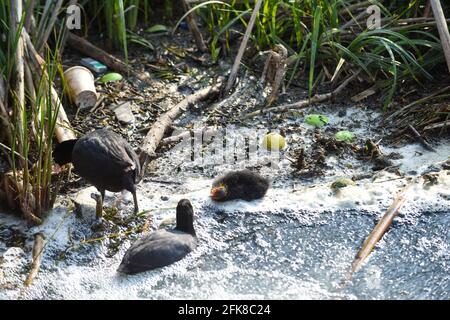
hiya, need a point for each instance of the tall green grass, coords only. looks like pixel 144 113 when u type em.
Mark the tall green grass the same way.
pixel 30 128
pixel 330 37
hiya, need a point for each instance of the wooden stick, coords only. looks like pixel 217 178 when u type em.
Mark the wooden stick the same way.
pixel 87 48
pixel 156 132
pixel 306 102
pixel 237 61
pixel 376 234
pixel 442 28
pixel 421 139
pixel 38 248
pixel 192 23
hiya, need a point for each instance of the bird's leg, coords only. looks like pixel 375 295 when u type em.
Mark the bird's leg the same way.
pixel 99 207
pixel 136 204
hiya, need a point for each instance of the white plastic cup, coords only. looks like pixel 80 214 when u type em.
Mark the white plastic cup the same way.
pixel 81 86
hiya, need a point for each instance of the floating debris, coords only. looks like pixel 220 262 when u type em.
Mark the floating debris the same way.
pixel 274 142
pixel 111 77
pixel 345 136
pixel 316 120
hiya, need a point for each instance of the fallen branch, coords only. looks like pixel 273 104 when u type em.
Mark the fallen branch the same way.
pixel 377 233
pixel 87 48
pixel 237 61
pixel 38 248
pixel 306 102
pixel 421 139
pixel 156 132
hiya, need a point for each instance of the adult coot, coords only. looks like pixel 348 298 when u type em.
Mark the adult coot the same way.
pixel 244 184
pixel 104 159
pixel 161 248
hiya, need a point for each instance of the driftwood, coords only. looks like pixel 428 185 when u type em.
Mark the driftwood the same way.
pixel 306 102
pixel 156 132
pixel 38 248
pixel 442 28
pixel 192 23
pixel 63 129
pixel 237 61
pixel 87 48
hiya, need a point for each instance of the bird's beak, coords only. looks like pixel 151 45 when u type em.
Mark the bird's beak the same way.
pixel 218 193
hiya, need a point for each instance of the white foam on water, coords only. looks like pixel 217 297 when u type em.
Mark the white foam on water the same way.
pixel 296 243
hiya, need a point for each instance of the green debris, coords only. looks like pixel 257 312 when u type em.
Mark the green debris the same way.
pixel 157 28
pixel 111 77
pixel 317 120
pixel 342 183
pixel 345 136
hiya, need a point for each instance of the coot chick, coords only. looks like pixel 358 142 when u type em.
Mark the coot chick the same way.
pixel 104 159
pixel 162 248
pixel 244 184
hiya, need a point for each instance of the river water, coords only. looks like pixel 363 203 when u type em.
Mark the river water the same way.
pixel 296 243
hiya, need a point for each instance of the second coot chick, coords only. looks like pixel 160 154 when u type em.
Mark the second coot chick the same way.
pixel 244 184
pixel 162 248
pixel 104 159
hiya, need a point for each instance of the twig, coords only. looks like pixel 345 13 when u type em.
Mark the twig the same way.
pixel 306 102
pixel 192 23
pixel 421 139
pixel 156 132
pixel 437 125
pixel 378 232
pixel 238 59
pixel 442 28
pixel 38 248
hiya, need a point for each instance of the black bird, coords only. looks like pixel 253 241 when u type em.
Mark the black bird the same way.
pixel 104 159
pixel 244 184
pixel 161 248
